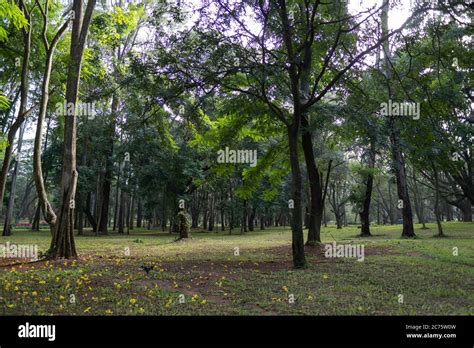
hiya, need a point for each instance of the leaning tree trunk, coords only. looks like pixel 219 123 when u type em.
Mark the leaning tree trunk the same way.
pixel 43 201
pixel 62 244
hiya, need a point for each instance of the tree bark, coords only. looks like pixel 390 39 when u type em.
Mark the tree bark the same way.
pixel 251 220
pixel 436 205
pixel 466 210
pixel 316 206
pixel 365 213
pixel 299 259
pixel 139 213
pixel 243 226
pixel 7 228
pixel 44 204
pixel 62 244
pixel 398 159
pixel 107 182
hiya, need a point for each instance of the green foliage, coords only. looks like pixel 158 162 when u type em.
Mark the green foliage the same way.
pixel 112 26
pixel 10 15
pixel 4 101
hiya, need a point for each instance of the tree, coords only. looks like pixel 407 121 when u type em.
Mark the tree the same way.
pixel 62 244
pixel 23 112
pixel 43 202
pixel 398 157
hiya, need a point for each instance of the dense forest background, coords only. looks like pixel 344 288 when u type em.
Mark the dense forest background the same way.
pixel 166 85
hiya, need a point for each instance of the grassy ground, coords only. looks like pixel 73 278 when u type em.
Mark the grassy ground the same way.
pixel 206 274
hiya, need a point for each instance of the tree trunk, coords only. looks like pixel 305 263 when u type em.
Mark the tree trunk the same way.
pixel 243 226
pixel 299 259
pixel 36 219
pixel 107 182
pixel 131 213
pixel 251 219
pixel 44 204
pixel 222 211
pixel 139 213
pixel 436 205
pixel 418 203
pixel 211 214
pixel 121 218
pixel 466 210
pixel 7 228
pixel 87 210
pixel 62 244
pixel 398 159
pixel 365 213
pixel 316 205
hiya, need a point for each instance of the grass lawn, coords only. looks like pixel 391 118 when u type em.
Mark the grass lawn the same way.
pixel 204 276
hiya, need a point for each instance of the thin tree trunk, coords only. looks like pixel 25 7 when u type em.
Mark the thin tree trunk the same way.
pixel 131 213
pixel 7 228
pixel 251 220
pixel 436 205
pixel 36 219
pixel 243 226
pixel 121 212
pixel 211 214
pixel 139 213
